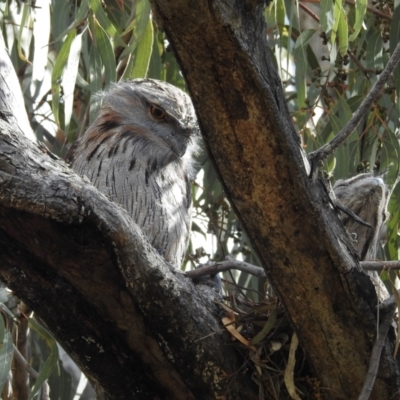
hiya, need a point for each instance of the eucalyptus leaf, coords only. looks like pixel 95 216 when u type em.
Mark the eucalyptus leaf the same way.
pixel 69 79
pixel 57 72
pixel 51 361
pixel 6 357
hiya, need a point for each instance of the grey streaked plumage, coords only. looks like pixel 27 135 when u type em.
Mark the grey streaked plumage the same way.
pixel 138 152
pixel 367 196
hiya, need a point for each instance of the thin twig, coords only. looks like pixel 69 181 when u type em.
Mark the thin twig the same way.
pixel 323 152
pixel 21 360
pixel 380 265
pixel 309 12
pixel 213 268
pixel 361 66
pixel 376 353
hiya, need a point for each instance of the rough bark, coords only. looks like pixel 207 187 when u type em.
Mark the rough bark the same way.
pixel 133 324
pixel 222 49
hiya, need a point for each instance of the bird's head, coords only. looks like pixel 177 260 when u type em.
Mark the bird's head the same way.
pixel 155 112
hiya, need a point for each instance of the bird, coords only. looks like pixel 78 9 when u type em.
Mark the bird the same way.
pixel 139 151
pixel 367 197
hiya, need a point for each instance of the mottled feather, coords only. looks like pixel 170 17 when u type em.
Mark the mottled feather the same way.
pixel 144 162
pixel 367 197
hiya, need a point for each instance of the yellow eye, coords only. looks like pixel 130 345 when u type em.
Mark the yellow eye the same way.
pixel 157 112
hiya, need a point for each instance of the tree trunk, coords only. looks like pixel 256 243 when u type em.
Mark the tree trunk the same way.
pixel 221 47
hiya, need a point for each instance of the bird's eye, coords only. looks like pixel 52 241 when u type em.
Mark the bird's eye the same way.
pixel 157 112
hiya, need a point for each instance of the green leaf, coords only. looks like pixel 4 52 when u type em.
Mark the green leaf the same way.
pixel 142 55
pixel 69 79
pixel 280 15
pixel 80 17
pixel 392 224
pixel 138 25
pixel 155 66
pixel 4 295
pixel 374 53
pixel 343 152
pixel 301 60
pixel 103 44
pixel 326 16
pixel 266 329
pixel 95 81
pixel 361 8
pixel 337 12
pixel 343 34
pixel 344 111
pixel 102 18
pixel 2 331
pixel 6 356
pixel 51 361
pixel 25 16
pixel 60 20
pixel 57 71
pixel 394 38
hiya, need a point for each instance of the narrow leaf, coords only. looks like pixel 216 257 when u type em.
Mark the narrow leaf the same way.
pixel 6 356
pixel 143 53
pixel 69 79
pixel 326 16
pixel 300 56
pixel 51 361
pixel 81 15
pixel 361 8
pixel 106 52
pixel 374 53
pixel 266 329
pixel 343 33
pixel 138 25
pixel 22 27
pixel 57 71
pixel 102 18
pixel 336 19
pixel 289 371
pixel 394 37
pixel 95 81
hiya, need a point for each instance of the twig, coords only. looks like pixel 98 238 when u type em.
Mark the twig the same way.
pixel 359 65
pixel 380 265
pixel 309 12
pixel 213 268
pixel 376 353
pixel 322 153
pixel 21 360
